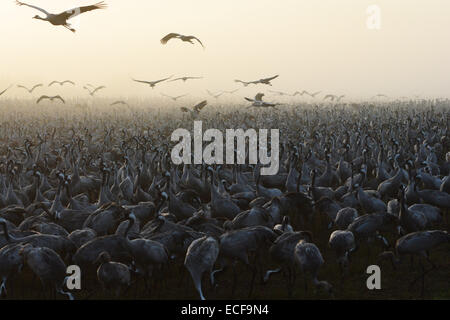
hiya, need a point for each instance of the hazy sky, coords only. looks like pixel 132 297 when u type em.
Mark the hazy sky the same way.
pixel 312 44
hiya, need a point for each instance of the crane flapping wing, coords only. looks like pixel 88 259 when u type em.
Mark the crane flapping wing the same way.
pixel 77 11
pixel 58 97
pixel 37 86
pixel 142 81
pixel 158 81
pixel 169 36
pixel 1 93
pixel 89 90
pixel 118 102
pixel 269 79
pixel 195 38
pixel 31 6
pixel 42 98
pixel 97 89
pixel 22 87
pixel 200 106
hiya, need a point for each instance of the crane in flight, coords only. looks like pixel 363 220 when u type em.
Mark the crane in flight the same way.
pixel 92 92
pixel 280 93
pixel 181 37
pixel 267 80
pixel 174 98
pixel 196 109
pixel 61 83
pixel 61 18
pixel 32 89
pixel 259 103
pixel 50 98
pixel 184 79
pixel 214 95
pixel 339 98
pixel 152 84
pixel 244 83
pixel 313 95
pixel 333 97
pixel 300 93
pixel 230 92
pixel 115 103
pixel 260 81
pixel 1 93
pixel 380 95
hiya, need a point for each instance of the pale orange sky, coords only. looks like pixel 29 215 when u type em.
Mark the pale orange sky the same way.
pixel 311 44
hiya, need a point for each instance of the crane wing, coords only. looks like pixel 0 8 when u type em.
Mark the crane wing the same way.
pixel 52 83
pixel 270 79
pixel 184 109
pixel 169 36
pixel 23 87
pixel 60 98
pixel 97 89
pixel 1 93
pixel 68 81
pixel 119 102
pixel 195 38
pixel 248 99
pixel 201 105
pixel 77 11
pixel 42 98
pixel 142 81
pixel 31 6
pixel 37 86
pixel 89 90
pixel 158 81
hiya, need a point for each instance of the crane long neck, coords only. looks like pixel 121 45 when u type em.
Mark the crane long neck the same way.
pixel 9 237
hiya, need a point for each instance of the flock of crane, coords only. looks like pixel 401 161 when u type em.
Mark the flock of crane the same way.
pixel 357 185
pixel 256 102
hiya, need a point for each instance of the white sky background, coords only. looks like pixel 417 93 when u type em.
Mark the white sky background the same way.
pixel 313 45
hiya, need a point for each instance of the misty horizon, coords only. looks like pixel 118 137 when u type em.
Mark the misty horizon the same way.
pixel 313 46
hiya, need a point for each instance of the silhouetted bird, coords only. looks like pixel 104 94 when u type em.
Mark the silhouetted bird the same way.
pixel 181 37
pixel 61 18
pixel 50 98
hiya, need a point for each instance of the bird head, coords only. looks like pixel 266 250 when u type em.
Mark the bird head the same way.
pixel 38 17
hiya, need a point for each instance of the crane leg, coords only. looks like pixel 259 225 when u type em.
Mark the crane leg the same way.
pixel 233 287
pixel 412 262
pixel 290 281
pixel 69 28
pixel 305 283
pixel 254 271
